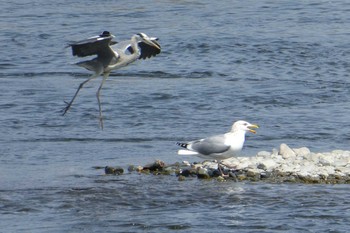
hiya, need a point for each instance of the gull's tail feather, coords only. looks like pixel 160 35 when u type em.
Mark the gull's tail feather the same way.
pixel 186 152
pixel 182 144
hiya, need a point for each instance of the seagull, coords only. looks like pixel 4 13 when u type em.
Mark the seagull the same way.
pixel 111 55
pixel 220 146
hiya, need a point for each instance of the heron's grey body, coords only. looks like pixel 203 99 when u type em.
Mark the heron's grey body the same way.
pixel 220 146
pixel 110 56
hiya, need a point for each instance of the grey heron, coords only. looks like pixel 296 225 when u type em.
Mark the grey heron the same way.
pixel 111 55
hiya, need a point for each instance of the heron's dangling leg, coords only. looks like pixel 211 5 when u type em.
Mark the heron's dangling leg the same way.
pixel 76 93
pixel 105 76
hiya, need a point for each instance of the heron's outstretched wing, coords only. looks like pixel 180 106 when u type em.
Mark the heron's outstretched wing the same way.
pixel 147 50
pixel 210 145
pixel 99 46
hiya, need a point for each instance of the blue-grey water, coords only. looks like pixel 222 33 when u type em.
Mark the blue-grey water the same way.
pixel 282 64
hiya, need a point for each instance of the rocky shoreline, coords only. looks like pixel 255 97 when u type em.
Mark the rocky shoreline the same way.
pixel 297 165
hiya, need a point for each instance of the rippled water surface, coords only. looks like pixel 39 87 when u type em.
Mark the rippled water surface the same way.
pixel 281 64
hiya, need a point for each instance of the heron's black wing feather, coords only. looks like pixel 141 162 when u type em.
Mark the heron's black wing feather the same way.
pixel 92 46
pixel 147 50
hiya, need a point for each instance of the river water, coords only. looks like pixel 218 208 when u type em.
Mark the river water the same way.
pixel 281 64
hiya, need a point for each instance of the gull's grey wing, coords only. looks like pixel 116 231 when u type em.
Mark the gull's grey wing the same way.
pixel 211 145
pixel 93 46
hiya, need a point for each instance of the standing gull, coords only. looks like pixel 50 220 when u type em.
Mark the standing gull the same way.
pixel 220 146
pixel 111 55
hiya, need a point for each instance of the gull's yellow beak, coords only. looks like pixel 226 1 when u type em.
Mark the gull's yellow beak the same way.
pixel 252 127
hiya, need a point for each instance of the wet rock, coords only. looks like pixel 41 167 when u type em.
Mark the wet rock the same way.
pixel 181 178
pixel 158 165
pixel 131 168
pixel 233 176
pixel 169 170
pixel 113 170
pixel 202 173
pixel 188 172
pixel 220 179
pixel 254 174
pixel 186 163
pixel 309 179
pixel 217 173
pixel 241 177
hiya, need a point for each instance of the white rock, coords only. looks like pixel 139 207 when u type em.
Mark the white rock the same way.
pixel 345 170
pixel 342 153
pixel 303 151
pixel 287 168
pixel 308 175
pixel 231 162
pixel 338 152
pixel 264 154
pixel 210 165
pixel 327 169
pixel 254 172
pixel 310 169
pixel 286 152
pixel 274 152
pixel 299 161
pixel 270 164
pixel 202 171
pixel 186 163
pixel 243 165
pixel 342 162
pixel 326 160
pixel 313 157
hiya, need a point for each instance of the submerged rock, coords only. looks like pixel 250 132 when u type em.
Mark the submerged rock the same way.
pixel 113 170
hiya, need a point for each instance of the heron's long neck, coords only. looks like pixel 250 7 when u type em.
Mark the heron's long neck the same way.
pixel 126 59
pixel 135 46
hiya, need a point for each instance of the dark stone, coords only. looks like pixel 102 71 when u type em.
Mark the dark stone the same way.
pixel 188 172
pixel 158 165
pixel 262 167
pixel 114 170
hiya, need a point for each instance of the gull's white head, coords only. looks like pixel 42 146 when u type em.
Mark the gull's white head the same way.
pixel 244 126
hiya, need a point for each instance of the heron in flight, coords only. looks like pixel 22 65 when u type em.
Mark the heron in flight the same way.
pixel 111 55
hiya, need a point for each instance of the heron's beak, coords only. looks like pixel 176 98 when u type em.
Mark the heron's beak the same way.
pixel 252 127
pixel 153 38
